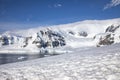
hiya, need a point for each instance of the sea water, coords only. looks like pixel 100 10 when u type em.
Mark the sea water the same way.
pixel 13 57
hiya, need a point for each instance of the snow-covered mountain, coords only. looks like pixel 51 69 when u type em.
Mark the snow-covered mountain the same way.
pixel 62 38
pixel 87 59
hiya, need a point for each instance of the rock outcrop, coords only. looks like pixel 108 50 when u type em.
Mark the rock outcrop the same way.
pixel 6 40
pixel 105 39
pixel 83 33
pixel 109 37
pixel 46 38
pixel 112 28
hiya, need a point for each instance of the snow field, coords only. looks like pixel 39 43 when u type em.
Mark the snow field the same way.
pixel 92 64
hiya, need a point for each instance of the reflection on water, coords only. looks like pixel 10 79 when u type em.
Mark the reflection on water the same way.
pixel 10 58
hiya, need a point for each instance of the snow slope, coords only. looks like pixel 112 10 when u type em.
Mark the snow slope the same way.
pixel 101 63
pixel 60 38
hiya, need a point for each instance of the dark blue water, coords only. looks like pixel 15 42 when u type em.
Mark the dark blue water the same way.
pixel 10 58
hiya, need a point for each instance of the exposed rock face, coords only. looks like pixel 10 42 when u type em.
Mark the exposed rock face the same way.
pixel 11 40
pixel 109 37
pixel 112 28
pixel 106 39
pixel 83 33
pixel 46 38
pixel 42 39
pixel 26 41
pixel 71 32
pixel 6 40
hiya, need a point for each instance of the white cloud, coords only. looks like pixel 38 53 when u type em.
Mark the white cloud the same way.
pixel 57 5
pixel 113 3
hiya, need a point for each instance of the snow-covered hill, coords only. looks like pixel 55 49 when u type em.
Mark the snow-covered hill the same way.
pixel 62 38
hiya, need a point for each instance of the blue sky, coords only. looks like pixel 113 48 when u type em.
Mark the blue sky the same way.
pixel 20 14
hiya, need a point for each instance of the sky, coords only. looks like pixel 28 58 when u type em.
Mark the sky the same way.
pixel 23 14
